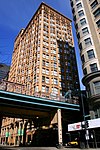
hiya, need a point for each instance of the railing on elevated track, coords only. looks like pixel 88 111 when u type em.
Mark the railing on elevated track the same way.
pixel 21 89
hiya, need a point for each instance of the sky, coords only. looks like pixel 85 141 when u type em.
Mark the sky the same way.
pixel 15 14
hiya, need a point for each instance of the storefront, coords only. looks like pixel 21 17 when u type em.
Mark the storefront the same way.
pixel 88 131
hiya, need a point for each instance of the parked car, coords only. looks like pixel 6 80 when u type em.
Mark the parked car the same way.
pixel 73 143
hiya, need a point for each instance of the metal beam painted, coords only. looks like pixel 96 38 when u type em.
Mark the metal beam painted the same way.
pixel 37 98
pixel 41 104
pixel 24 100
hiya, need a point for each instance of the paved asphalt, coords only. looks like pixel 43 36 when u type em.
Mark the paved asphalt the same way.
pixel 40 148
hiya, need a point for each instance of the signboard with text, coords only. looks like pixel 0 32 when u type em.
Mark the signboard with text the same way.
pixel 94 123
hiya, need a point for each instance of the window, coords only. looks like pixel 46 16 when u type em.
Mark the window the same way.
pixel 54 90
pixel 74 18
pixel 83 21
pixel 97 87
pixel 43 71
pixel 80 46
pixel 54 73
pixel 43 78
pixel 79 5
pixel 55 81
pixel 47 80
pixel 88 41
pixel 62 69
pixel 55 65
pixel 62 77
pixel 72 3
pixel 70 78
pixel 78 35
pixel 63 84
pixel 82 58
pixel 47 89
pixel 98 23
pixel 76 26
pixel 43 89
pixel 43 63
pixel 69 64
pixel 94 4
pixel 90 54
pixel 66 45
pixel 47 72
pixel 81 13
pixel 97 13
pixel 93 67
pixel 85 30
pixel 46 64
pixel 85 71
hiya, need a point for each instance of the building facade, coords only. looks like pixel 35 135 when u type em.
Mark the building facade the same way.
pixel 14 130
pixel 86 15
pixel 43 61
pixel 4 70
pixel 46 62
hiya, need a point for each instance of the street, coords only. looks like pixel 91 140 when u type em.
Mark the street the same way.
pixel 39 148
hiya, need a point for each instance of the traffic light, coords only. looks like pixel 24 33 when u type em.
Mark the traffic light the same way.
pixel 86 124
pixel 83 125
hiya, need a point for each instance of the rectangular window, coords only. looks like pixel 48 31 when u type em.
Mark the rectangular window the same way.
pixel 88 41
pixel 46 64
pixel 36 89
pixel 97 87
pixel 83 21
pixel 55 81
pixel 47 80
pixel 85 30
pixel 43 63
pixel 43 89
pixel 81 13
pixel 94 67
pixel 47 72
pixel 43 71
pixel 43 78
pixel 94 4
pixel 47 89
pixel 55 90
pixel 85 71
pixel 79 5
pixel 90 54
pixel 82 58
pixel 97 13
pixel 55 65
pixel 98 23
pixel 80 46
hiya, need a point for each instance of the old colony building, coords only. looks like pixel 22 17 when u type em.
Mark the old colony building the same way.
pixel 86 14
pixel 44 61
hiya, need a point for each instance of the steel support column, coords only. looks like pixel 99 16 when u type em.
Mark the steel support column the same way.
pixel 60 142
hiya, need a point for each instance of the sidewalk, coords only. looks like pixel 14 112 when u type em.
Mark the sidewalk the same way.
pixel 41 148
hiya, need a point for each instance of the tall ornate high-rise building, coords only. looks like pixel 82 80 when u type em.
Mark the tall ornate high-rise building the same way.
pixel 86 14
pixel 44 59
pixel 43 64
